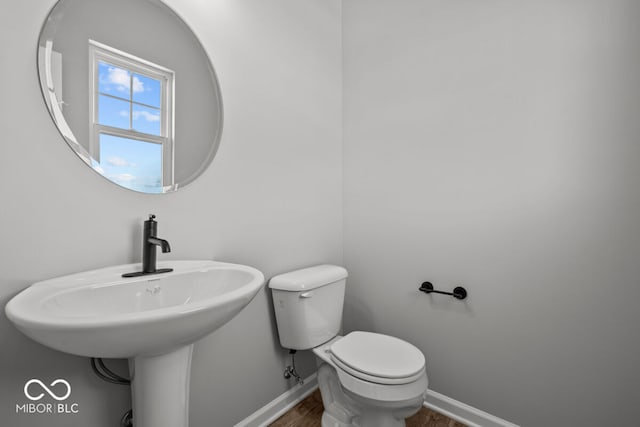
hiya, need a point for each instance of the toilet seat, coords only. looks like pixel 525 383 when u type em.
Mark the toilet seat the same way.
pixel 378 358
pixel 369 389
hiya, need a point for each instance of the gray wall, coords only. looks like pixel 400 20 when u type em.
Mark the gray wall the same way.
pixel 495 144
pixel 271 199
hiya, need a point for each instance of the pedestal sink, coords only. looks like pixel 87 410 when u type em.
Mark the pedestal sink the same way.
pixel 151 320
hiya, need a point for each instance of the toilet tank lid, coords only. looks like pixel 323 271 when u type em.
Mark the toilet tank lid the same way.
pixel 308 278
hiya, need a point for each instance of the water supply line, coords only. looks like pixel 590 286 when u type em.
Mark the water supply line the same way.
pixel 109 376
pixel 290 371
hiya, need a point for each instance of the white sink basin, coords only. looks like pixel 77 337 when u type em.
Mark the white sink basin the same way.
pixel 98 313
pixel 152 320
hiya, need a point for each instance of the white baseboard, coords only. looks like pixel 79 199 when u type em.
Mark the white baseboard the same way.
pixel 281 404
pixel 462 412
pixel 445 405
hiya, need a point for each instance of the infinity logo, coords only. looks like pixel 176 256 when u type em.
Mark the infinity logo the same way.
pixel 52 394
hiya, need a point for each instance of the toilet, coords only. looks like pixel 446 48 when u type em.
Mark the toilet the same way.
pixel 366 379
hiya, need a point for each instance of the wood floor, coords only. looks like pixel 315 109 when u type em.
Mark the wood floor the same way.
pixel 309 412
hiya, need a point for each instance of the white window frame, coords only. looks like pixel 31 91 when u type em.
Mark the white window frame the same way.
pixel 100 52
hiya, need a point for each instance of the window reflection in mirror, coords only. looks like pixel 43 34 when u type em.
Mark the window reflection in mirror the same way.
pixel 131 163
pixel 131 99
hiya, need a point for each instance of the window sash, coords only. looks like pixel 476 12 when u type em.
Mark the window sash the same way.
pixel 100 52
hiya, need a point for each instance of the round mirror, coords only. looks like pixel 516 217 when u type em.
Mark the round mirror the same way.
pixel 131 90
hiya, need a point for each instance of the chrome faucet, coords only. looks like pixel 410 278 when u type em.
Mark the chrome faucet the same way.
pixel 149 244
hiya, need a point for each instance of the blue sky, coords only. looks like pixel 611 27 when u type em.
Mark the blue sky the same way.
pixel 131 90
pixel 131 163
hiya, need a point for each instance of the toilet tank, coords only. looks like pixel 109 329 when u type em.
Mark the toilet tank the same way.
pixel 308 305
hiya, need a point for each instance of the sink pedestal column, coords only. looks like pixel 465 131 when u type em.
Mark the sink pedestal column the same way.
pixel 160 388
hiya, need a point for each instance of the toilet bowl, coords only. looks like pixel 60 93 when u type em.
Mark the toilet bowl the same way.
pixel 366 379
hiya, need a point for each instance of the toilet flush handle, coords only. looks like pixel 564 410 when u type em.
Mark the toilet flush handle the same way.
pixel 306 294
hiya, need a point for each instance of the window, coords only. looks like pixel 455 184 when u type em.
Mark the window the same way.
pixel 131 135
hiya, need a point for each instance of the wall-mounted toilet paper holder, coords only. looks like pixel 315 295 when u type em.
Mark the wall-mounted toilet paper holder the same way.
pixel 458 292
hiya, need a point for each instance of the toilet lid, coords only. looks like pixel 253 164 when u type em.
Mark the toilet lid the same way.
pixel 378 358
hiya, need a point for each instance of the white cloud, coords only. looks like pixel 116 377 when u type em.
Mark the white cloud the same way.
pixel 121 79
pixel 118 77
pixel 118 161
pixel 138 85
pixel 150 117
pixel 122 177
